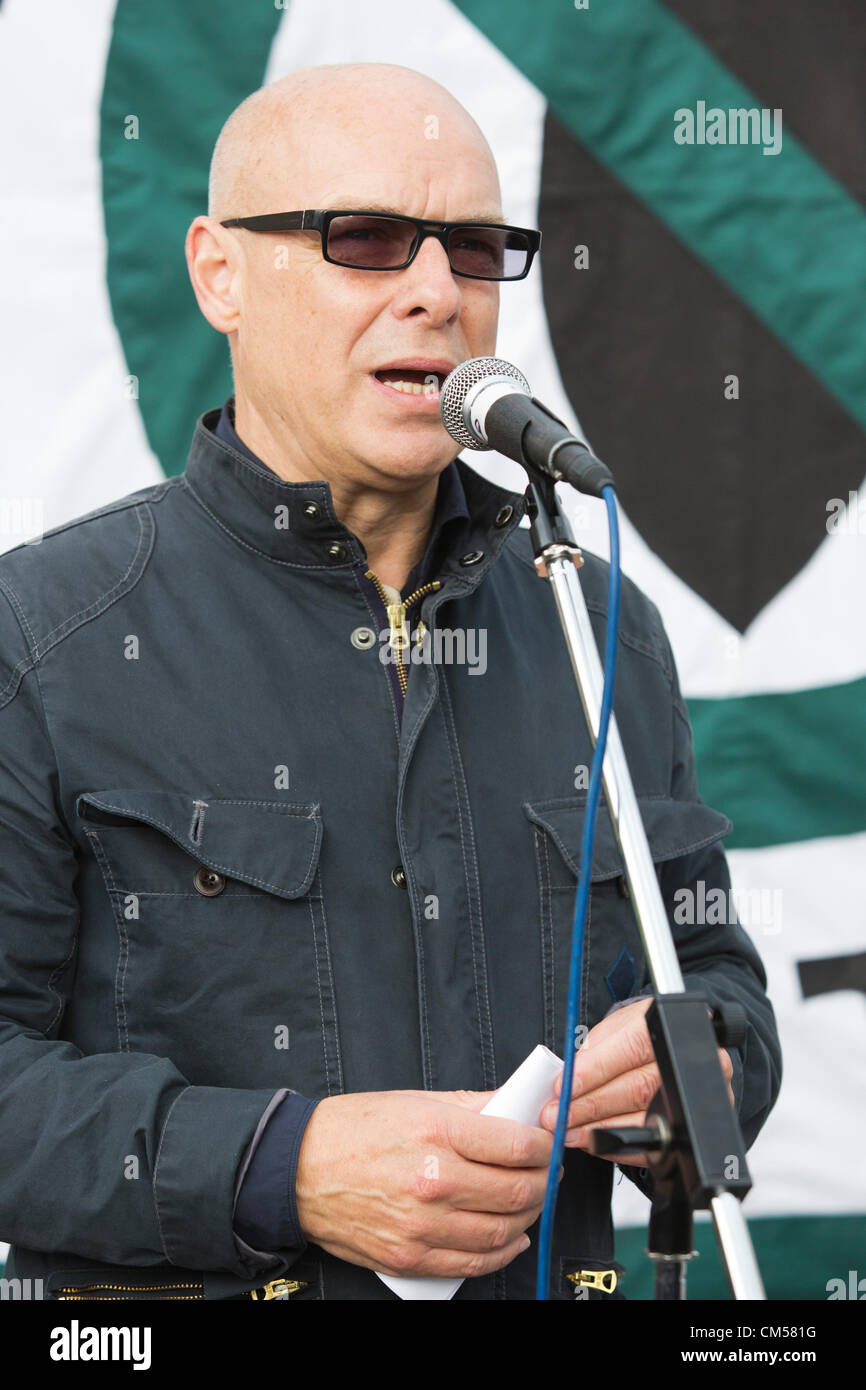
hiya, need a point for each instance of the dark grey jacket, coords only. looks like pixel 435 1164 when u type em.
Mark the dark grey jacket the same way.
pixel 188 702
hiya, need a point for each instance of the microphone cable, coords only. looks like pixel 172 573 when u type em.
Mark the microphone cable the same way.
pixel 542 1291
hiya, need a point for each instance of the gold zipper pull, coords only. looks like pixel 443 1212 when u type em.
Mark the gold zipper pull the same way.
pixel 277 1288
pixel 603 1279
pixel 399 635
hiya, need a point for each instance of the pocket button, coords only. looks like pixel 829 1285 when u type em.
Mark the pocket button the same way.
pixel 207 882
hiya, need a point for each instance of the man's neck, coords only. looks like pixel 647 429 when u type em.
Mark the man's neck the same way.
pixel 392 526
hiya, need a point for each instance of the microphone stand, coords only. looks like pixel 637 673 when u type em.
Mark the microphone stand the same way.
pixel 691 1136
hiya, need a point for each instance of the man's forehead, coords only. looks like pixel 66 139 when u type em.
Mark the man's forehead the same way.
pixel 443 190
pixel 354 135
pixel 385 158
pixel 490 214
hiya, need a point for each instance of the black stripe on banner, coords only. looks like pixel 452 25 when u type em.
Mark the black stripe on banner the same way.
pixel 732 493
pixel 807 59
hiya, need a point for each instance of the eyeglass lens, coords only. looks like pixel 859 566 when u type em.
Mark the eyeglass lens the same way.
pixel 382 243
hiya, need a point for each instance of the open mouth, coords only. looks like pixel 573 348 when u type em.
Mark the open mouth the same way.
pixel 412 381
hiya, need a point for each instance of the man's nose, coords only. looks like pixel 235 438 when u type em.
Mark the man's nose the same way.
pixel 429 284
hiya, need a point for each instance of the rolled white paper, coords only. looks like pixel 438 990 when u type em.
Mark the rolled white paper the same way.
pixel 522 1097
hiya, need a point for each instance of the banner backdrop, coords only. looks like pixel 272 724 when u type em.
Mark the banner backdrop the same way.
pixel 696 168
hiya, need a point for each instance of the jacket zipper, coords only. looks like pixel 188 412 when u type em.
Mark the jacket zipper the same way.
pixel 603 1279
pixel 71 1292
pixel 278 1288
pixel 396 613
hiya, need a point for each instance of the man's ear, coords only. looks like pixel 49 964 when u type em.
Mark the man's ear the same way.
pixel 214 269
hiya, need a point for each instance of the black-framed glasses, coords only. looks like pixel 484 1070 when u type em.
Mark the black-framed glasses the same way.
pixel 388 241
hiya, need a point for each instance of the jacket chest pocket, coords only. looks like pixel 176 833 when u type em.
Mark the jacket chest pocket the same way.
pixel 223 962
pixel 614 964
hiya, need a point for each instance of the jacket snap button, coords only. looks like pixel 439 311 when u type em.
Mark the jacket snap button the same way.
pixel 503 516
pixel 335 551
pixel 472 558
pixel 207 882
pixel 363 638
pixel 312 510
pixel 398 876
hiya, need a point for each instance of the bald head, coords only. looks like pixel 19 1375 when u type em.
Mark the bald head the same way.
pixel 276 144
pixel 315 342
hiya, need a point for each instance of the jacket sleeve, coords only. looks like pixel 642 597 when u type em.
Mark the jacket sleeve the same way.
pixel 113 1156
pixel 719 959
pixel 266 1209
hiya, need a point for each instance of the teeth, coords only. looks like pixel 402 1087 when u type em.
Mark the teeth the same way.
pixel 414 388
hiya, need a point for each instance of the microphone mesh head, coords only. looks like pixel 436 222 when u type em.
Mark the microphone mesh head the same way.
pixel 458 384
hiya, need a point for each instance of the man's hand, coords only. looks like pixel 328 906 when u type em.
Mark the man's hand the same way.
pixel 615 1078
pixel 418 1183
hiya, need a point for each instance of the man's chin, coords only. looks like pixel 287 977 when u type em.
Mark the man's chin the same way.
pixel 408 455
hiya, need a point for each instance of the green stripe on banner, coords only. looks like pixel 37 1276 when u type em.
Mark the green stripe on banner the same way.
pixel 173 74
pixel 783 766
pixel 796 250
pixel 797 1255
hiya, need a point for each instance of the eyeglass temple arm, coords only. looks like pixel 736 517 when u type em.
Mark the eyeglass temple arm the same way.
pixel 271 222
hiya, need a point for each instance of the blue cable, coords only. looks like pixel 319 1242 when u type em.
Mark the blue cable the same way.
pixel 582 902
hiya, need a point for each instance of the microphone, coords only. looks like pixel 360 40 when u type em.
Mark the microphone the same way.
pixel 486 403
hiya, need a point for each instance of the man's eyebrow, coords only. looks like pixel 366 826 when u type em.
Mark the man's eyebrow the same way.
pixel 401 212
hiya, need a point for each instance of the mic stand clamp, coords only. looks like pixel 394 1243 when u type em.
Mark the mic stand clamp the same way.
pixel 683 1142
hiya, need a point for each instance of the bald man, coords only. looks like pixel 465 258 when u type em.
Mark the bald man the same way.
pixel 286 895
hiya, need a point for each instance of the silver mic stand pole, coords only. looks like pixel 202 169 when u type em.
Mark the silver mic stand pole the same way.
pixel 690 1155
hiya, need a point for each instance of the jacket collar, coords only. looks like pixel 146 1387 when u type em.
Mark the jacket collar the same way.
pixel 295 523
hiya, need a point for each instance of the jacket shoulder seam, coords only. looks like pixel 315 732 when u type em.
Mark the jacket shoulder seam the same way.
pixel 156 492
pixel 38 648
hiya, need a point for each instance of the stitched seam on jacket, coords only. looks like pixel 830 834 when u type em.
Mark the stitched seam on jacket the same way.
pixel 39 649
pixel 403 762
pixel 417 935
pixel 327 948
pixel 690 847
pixel 303 811
pixel 548 957
pixel 321 901
pixel 412 886
pixel 55 974
pixel 321 1006
pixel 476 917
pixel 156 1169
pixel 114 895
pixel 235 872
pixel 105 600
pixel 587 946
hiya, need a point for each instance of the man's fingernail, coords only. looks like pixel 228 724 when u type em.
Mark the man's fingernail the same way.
pixel 525 1243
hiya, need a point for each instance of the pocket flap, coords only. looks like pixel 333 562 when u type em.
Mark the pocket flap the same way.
pixel 273 845
pixel 673 828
